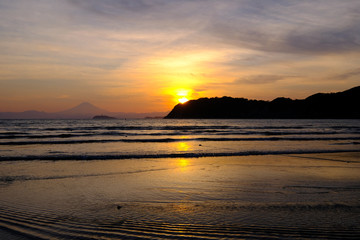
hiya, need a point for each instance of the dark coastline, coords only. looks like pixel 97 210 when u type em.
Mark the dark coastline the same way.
pixel 340 105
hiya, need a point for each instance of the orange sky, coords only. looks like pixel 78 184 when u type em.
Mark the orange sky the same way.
pixel 142 56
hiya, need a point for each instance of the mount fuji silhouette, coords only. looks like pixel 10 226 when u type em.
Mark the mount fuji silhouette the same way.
pixel 83 110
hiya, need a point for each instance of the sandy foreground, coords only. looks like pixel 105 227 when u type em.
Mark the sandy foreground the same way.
pixel 274 196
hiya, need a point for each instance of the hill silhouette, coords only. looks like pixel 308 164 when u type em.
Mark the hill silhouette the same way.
pixel 340 105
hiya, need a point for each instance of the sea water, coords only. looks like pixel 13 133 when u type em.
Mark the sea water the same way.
pixel 125 139
pixel 190 179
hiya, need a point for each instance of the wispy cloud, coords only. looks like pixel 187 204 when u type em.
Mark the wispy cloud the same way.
pixel 63 96
pixel 307 27
pixel 348 74
pixel 259 79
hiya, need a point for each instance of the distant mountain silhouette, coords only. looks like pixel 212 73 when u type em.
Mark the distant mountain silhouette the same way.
pixel 341 105
pixel 82 111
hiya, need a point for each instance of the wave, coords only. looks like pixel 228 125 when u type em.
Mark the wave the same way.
pixel 167 140
pixel 166 155
pixel 186 127
pixel 181 128
pixel 192 127
pixel 177 133
pixel 11 179
pixel 328 188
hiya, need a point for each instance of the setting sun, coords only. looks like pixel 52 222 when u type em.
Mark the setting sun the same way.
pixel 183 95
pixel 183 100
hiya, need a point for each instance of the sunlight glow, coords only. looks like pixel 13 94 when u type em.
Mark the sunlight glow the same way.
pixel 183 94
pixel 183 100
pixel 183 163
pixel 183 146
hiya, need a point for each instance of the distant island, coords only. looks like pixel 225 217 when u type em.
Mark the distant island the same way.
pixel 103 117
pixel 340 105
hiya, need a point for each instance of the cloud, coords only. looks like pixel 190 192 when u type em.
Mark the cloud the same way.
pixel 309 27
pixel 140 14
pixel 114 7
pixel 305 27
pixel 325 40
pixel 346 75
pixel 63 96
pixel 259 79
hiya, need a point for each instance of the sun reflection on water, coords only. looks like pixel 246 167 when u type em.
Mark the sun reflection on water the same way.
pixel 183 146
pixel 182 208
pixel 183 163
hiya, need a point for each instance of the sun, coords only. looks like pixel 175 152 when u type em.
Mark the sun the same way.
pixel 182 95
pixel 183 100
pixel 179 95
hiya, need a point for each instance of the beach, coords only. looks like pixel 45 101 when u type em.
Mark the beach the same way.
pixel 302 196
pixel 246 194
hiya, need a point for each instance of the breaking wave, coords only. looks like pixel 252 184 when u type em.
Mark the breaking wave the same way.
pixel 55 157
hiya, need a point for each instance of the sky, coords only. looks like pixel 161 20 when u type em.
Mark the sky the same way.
pixel 145 55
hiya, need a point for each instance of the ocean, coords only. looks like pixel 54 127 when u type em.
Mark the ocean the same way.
pixel 179 179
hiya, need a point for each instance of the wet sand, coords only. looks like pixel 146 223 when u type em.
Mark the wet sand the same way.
pixel 274 196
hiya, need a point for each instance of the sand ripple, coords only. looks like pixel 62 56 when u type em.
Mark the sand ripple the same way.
pixel 51 225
